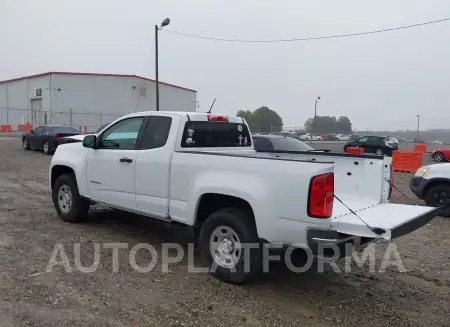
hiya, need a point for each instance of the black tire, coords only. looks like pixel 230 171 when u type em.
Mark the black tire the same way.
pixel 379 152
pixel 243 225
pixel 439 196
pixel 79 207
pixel 438 157
pixel 25 144
pixel 46 147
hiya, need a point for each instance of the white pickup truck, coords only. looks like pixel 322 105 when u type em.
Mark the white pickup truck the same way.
pixel 201 170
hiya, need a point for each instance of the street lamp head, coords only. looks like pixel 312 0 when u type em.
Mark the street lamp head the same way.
pixel 165 22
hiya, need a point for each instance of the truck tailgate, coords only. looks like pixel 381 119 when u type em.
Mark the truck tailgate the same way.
pixel 385 220
pixel 363 178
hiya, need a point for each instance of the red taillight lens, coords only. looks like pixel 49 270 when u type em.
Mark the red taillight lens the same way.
pixel 391 181
pixel 57 137
pixel 218 118
pixel 321 195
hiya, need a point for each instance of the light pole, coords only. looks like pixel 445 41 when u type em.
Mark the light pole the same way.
pixel 165 22
pixel 418 122
pixel 315 116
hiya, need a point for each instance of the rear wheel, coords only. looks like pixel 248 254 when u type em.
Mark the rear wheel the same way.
pixel 221 243
pixel 439 196
pixel 67 201
pixel 438 156
pixel 46 147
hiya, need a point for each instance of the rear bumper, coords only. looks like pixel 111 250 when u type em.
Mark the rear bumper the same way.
pixel 331 244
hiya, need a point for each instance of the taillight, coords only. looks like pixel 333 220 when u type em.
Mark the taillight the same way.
pixel 391 182
pixel 321 196
pixel 218 118
pixel 57 137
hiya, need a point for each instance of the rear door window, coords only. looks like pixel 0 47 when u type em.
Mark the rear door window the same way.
pixel 203 134
pixel 156 132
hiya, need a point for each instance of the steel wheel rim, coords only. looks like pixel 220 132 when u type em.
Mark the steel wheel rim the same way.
pixel 65 199
pixel 45 147
pixel 379 152
pixel 25 143
pixel 438 157
pixel 225 246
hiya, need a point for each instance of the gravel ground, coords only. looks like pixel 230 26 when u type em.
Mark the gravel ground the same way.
pixel 29 296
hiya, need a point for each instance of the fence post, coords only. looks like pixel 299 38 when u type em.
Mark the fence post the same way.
pixel 101 119
pixel 70 117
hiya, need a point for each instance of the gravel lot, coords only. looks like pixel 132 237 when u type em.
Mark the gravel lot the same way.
pixel 29 296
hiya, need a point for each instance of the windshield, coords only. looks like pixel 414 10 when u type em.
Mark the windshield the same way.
pixel 289 144
pixel 101 127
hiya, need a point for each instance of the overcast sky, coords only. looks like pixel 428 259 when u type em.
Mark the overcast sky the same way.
pixel 379 81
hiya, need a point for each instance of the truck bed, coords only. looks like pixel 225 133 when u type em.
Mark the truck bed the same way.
pixel 361 181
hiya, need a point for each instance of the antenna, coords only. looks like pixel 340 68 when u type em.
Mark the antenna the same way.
pixel 212 105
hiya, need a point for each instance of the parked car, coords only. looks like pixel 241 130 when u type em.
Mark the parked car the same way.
pixel 313 137
pixel 432 184
pixel 440 155
pixel 329 137
pixel 342 137
pixel 279 143
pixel 46 137
pixel 201 170
pixel 380 145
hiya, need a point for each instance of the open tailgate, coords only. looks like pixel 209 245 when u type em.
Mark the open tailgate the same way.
pixel 385 220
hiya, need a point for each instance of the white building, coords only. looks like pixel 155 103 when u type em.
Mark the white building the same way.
pixel 85 100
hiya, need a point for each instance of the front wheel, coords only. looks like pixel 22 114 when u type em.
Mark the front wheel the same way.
pixel 438 156
pixel 439 196
pixel 25 144
pixel 67 201
pixel 229 245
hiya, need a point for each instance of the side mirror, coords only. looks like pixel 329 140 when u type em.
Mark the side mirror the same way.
pixel 89 141
pixel 32 131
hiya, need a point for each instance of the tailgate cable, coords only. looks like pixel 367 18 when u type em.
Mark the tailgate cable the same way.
pixel 377 231
pixel 399 191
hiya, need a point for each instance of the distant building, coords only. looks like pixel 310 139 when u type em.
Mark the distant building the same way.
pixel 85 100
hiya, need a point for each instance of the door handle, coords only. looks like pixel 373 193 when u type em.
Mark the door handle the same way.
pixel 125 160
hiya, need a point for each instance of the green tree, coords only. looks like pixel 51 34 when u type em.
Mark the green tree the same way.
pixel 344 125
pixel 262 119
pixel 327 124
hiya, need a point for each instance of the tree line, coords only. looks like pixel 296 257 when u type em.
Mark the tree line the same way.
pixel 264 119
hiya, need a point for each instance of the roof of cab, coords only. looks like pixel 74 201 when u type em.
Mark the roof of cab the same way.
pixel 196 116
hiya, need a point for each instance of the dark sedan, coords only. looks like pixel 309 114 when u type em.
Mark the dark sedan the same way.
pixel 380 145
pixel 46 137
